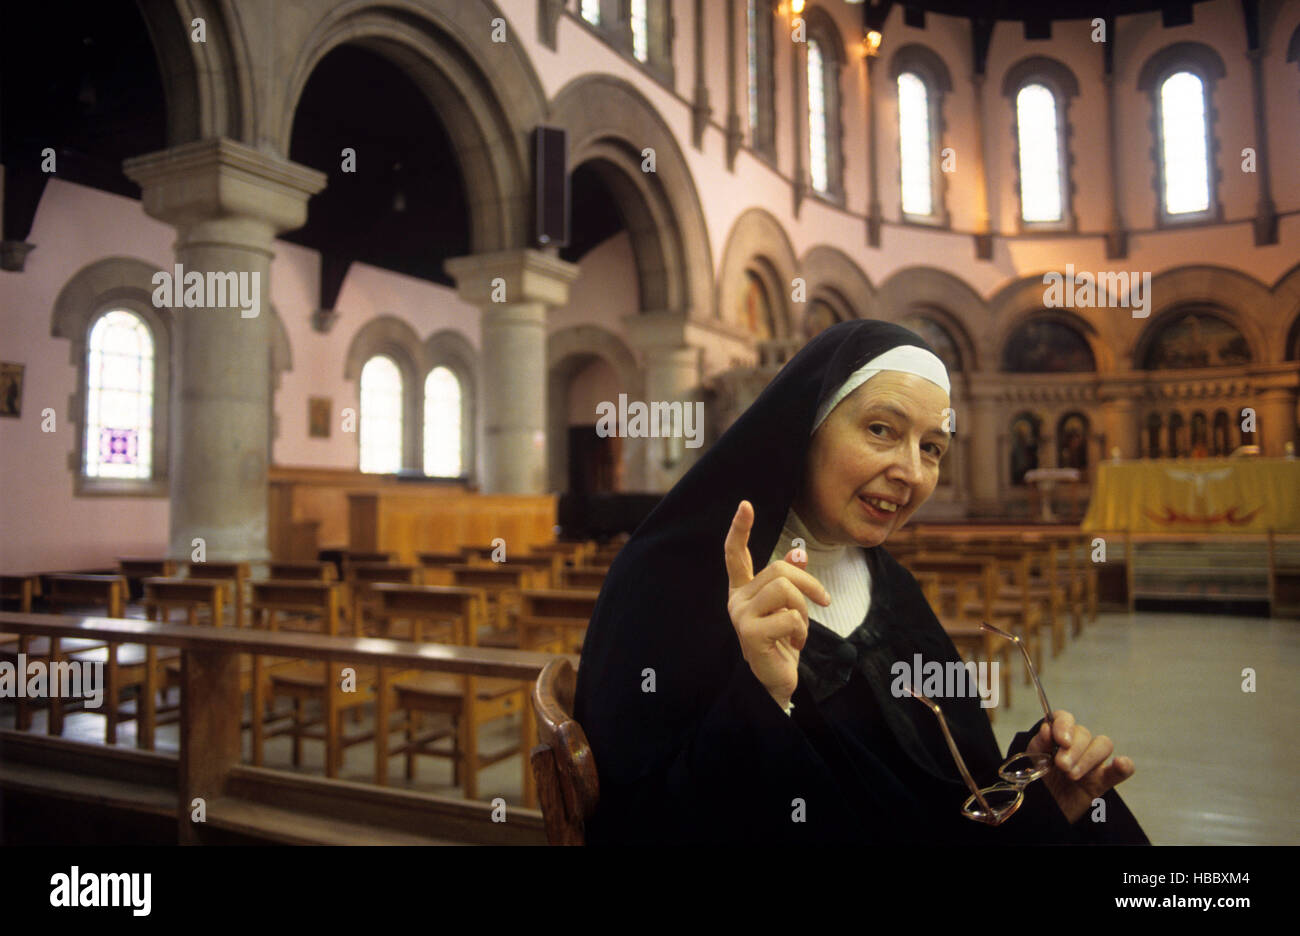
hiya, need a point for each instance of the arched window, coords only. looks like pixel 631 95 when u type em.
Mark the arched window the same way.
pixel 641 29
pixel 119 397
pixel 916 152
pixel 1180 79
pixel 823 59
pixel 442 427
pixel 1040 89
pixel 756 312
pixel 381 416
pixel 1184 149
pixel 817 166
pixel 920 79
pixel 1040 154
pixel 758 33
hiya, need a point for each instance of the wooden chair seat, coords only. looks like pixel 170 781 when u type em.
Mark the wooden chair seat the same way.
pixel 437 686
pixel 304 676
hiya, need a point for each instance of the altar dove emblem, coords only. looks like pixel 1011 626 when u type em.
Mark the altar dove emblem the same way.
pixel 1199 478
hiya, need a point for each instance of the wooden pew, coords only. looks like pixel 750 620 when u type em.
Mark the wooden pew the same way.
pixel 256 804
pixel 436 566
pixel 133 570
pixel 502 584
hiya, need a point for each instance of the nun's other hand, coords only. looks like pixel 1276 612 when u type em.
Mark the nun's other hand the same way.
pixel 1081 773
pixel 768 609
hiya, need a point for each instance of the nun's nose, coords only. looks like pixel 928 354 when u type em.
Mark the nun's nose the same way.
pixel 907 465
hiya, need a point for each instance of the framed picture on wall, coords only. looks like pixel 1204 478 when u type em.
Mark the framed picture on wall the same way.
pixel 11 389
pixel 318 417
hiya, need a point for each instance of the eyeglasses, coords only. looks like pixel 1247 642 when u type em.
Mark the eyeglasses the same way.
pixel 994 805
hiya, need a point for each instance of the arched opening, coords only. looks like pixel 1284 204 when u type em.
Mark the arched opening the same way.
pixel 1195 338
pixel 1047 346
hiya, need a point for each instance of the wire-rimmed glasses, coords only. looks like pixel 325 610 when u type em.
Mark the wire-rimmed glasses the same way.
pixel 994 805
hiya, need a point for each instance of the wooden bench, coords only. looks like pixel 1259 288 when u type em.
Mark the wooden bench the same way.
pixel 584 577
pixel 362 576
pixel 305 570
pixel 255 804
pixel 551 616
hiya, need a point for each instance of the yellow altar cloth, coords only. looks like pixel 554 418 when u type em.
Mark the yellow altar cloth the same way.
pixel 1204 495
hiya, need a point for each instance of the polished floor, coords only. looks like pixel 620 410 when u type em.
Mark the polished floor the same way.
pixel 1215 765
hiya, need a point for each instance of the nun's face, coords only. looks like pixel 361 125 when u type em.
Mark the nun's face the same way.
pixel 874 460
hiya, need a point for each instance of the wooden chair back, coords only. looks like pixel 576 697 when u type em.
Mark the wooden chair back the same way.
pixel 433 606
pixel 19 588
pixel 500 581
pixel 163 595
pixel 584 577
pixel 307 570
pixel 271 597
pixel 563 766
pixel 236 572
pixel 73 590
pixel 361 579
pixel 546 615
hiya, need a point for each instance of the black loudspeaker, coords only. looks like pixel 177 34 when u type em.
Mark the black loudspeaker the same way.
pixel 551 182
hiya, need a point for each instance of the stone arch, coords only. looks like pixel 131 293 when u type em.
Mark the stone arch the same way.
pixel 567 351
pixel 450 349
pixel 1022 300
pixel 609 120
pixel 487 112
pixel 756 236
pixel 115 282
pixel 1286 306
pixel 1227 291
pixel 394 337
pixel 830 270
pixel 1101 355
pixel 207 85
pixel 942 296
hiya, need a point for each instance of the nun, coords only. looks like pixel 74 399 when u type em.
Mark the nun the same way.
pixel 739 682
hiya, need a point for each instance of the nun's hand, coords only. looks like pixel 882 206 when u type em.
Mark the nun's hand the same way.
pixel 768 609
pixel 1081 773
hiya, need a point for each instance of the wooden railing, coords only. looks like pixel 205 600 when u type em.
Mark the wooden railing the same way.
pixel 252 802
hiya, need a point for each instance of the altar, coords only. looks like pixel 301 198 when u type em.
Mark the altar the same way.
pixel 1209 495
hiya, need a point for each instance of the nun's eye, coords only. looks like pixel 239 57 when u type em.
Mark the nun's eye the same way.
pixel 879 429
pixel 935 449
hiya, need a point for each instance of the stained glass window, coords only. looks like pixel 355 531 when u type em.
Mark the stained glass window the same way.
pixel 442 429
pixel 1183 144
pixel 1040 154
pixel 817 163
pixel 381 416
pixel 914 144
pixel 119 397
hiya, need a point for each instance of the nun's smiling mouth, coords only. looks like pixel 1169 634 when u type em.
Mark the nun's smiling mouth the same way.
pixel 880 508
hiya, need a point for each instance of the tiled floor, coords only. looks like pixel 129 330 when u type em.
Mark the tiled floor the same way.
pixel 1215 765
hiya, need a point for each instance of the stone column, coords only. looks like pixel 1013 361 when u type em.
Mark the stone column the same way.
pixel 513 289
pixel 1120 417
pixel 672 375
pixel 227 202
pixel 984 427
pixel 1275 409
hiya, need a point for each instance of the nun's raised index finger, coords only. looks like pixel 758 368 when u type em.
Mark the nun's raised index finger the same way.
pixel 740 567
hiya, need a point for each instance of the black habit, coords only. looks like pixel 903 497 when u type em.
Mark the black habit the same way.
pixel 688 744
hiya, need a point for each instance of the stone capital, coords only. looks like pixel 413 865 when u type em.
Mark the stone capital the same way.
pixel 218 178
pixel 657 331
pixel 527 275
